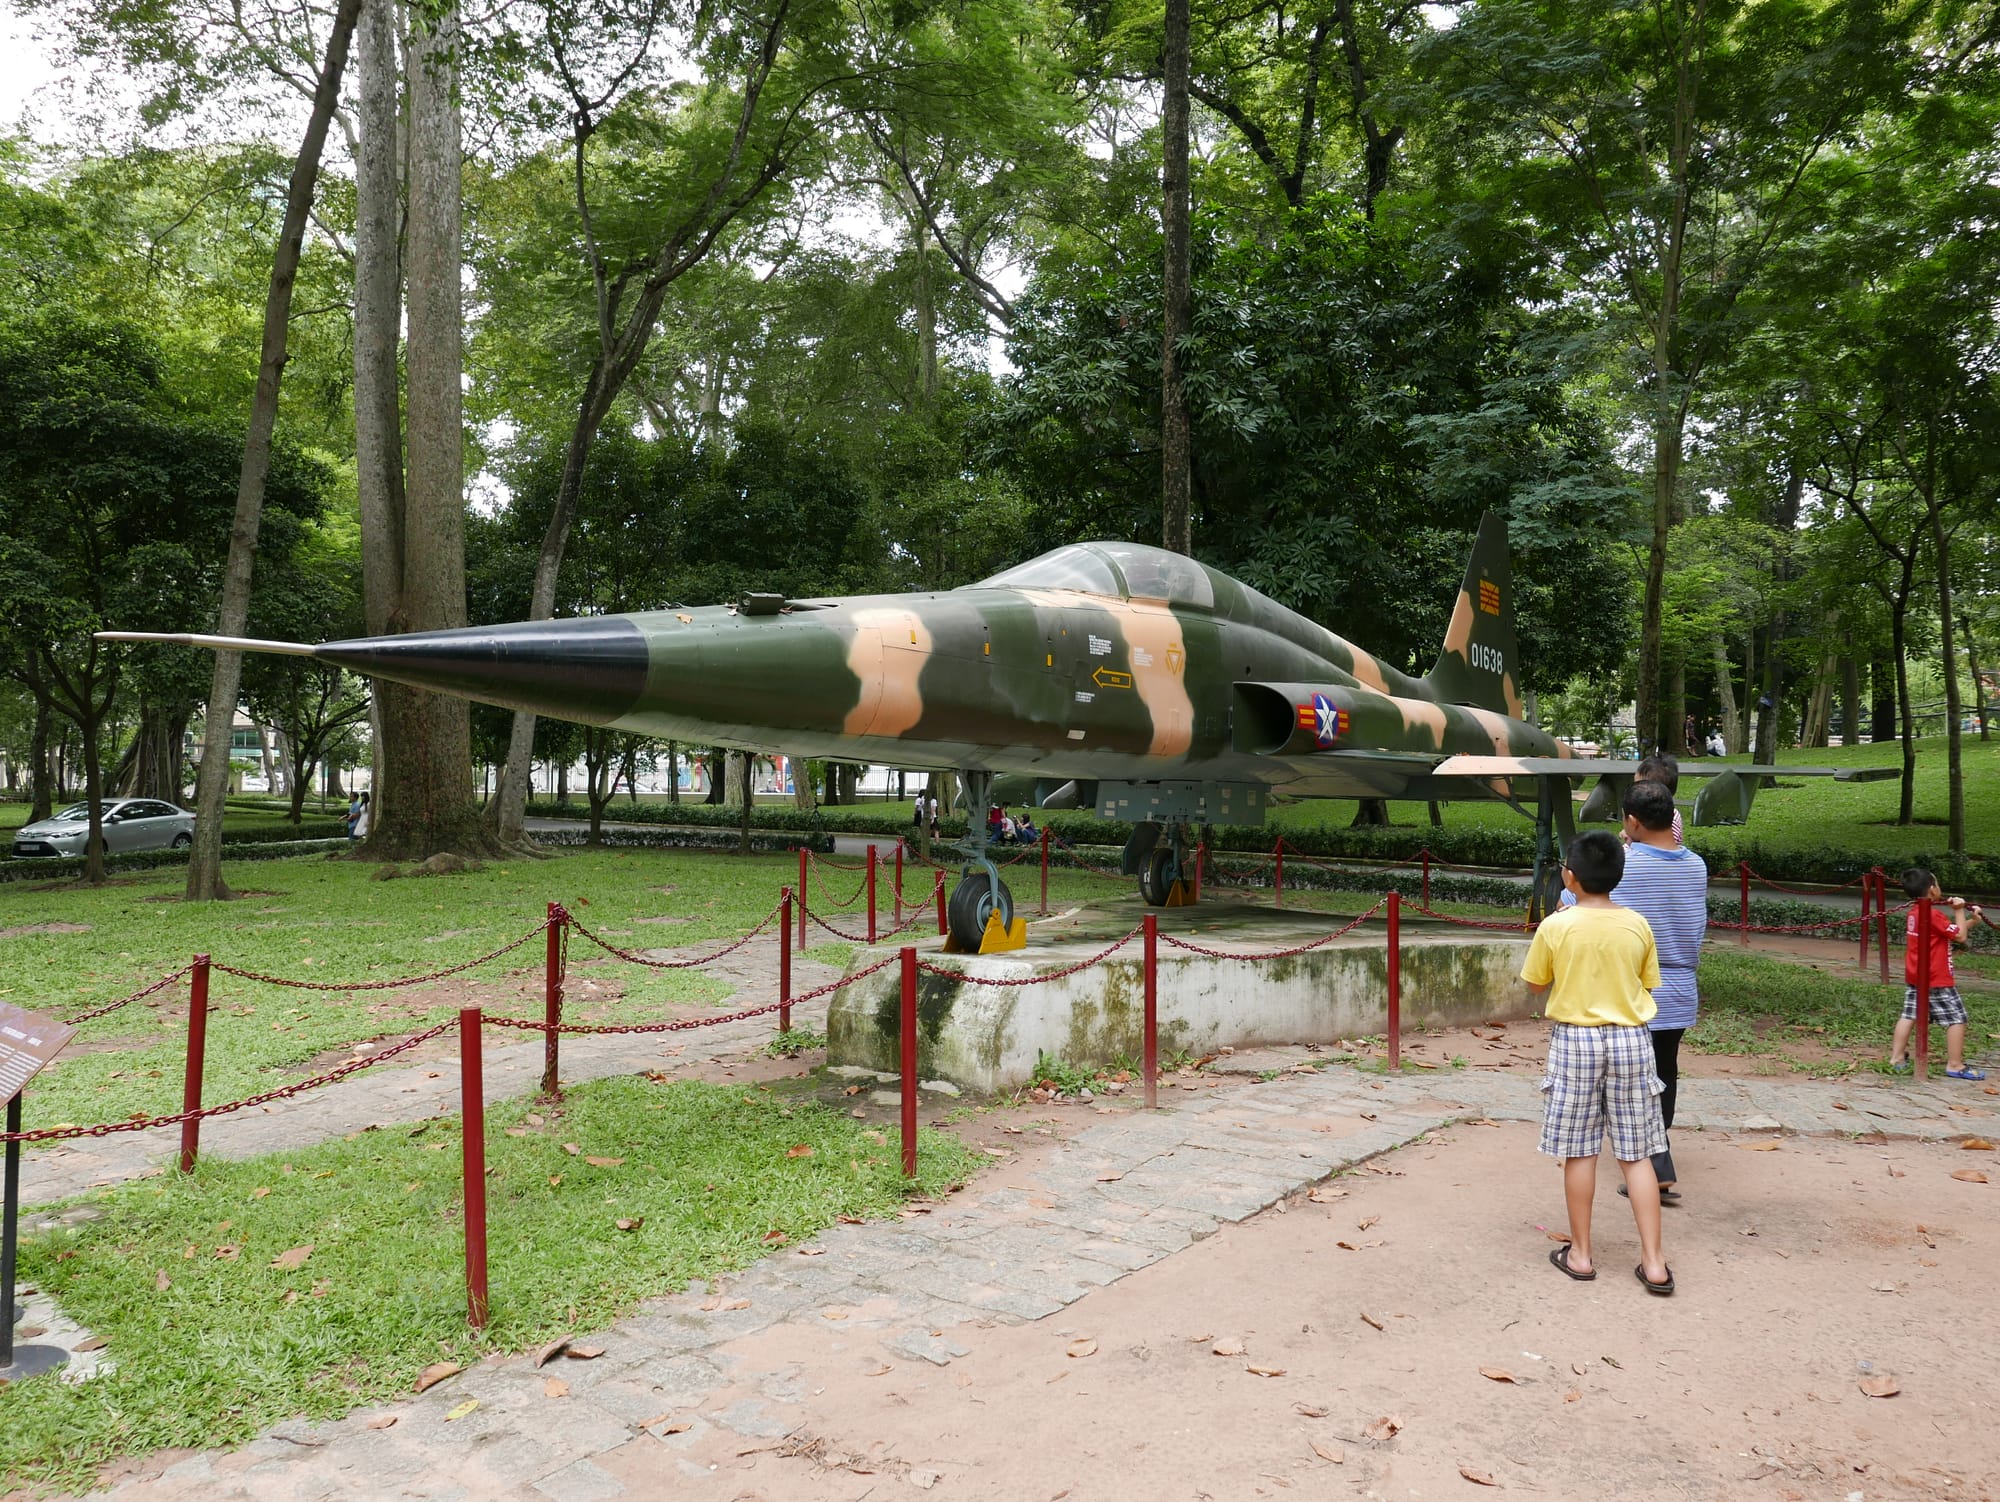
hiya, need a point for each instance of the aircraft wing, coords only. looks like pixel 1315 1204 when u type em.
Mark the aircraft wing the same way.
pixel 1579 766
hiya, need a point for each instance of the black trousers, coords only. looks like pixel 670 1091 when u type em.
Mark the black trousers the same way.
pixel 1667 1064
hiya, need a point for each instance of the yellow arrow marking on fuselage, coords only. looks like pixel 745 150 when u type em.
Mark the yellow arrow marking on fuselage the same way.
pixel 1111 678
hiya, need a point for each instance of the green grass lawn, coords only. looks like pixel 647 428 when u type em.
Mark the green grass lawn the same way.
pixel 213 1337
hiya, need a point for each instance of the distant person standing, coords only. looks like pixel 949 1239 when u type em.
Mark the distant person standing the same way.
pixel 1717 746
pixel 353 814
pixel 917 812
pixel 1947 1006
pixel 361 820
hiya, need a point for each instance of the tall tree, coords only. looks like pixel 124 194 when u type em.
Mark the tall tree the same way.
pixel 204 878
pixel 1177 286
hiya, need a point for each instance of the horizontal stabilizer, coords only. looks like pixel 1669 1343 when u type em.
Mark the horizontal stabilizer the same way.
pixel 1602 766
pixel 219 643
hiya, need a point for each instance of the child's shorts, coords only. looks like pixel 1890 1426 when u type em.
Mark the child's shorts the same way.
pixel 1947 1006
pixel 1599 1078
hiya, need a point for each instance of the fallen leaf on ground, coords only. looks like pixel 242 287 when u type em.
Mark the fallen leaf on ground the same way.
pixel 550 1351
pixel 435 1373
pixel 1612 1362
pixel 555 1387
pixel 228 1253
pixel 1562 1236
pixel 584 1353
pixel 833 1314
pixel 383 1421
pixel 1477 1478
pixel 1963 1175
pixel 1085 1347
pixel 1358 1246
pixel 1768 1145
pixel 1265 1371
pixel 574 1149
pixel 604 1162
pixel 1497 1374
pixel 675 1426
pixel 880 1371
pixel 631 1223
pixel 710 1306
pixel 1976 1145
pixel 1881 1387
pixel 812 1251
pixel 1365 1222
pixel 1229 1345
pixel 94 1343
pixel 1109 1178
pixel 260 1191
pixel 1572 1395
pixel 1325 1195
pixel 1309 1410
pixel 1332 1453
pixel 924 1479
pixel 774 1238
pixel 799 1150
pixel 1369 1319
pixel 1384 1428
pixel 161 1282
pixel 462 1410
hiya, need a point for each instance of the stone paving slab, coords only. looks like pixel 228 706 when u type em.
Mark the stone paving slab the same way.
pixel 1118 1197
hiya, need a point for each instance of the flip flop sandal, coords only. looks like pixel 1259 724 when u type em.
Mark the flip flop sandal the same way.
pixel 1560 1258
pixel 1663 1288
pixel 1667 1196
pixel 1899 1069
pixel 1965 1074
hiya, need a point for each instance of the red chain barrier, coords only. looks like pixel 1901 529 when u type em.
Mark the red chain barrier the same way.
pixel 283 1092
pixel 689 964
pixel 159 985
pixel 1819 891
pixel 831 864
pixel 1033 980
pixel 1489 923
pixel 1276 954
pixel 385 985
pixel 682 1025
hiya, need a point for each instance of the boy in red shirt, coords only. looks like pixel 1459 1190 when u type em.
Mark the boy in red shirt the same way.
pixel 1947 1006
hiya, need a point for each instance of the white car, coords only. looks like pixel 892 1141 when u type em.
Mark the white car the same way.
pixel 129 824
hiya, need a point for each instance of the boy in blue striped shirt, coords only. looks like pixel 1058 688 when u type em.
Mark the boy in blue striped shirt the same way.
pixel 1666 884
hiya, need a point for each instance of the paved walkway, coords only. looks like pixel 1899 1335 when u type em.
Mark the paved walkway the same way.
pixel 1029 1240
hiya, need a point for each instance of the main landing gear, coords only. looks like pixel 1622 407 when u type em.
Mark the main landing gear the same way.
pixel 1158 855
pixel 980 914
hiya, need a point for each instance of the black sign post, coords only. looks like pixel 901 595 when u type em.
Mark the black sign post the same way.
pixel 27 1042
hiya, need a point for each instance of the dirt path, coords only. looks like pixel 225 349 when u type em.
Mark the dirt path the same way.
pixel 1801 1271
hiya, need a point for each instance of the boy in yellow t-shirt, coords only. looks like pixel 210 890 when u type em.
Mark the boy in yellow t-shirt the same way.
pixel 1598 963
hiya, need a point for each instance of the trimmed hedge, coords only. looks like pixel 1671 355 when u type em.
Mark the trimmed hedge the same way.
pixel 61 867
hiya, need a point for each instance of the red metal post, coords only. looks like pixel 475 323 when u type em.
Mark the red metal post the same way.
pixel 908 1062
pixel 785 964
pixel 197 1050
pixel 872 865
pixel 1395 980
pixel 552 1000
pixel 1743 902
pixel 1200 864
pixel 1427 878
pixel 1867 913
pixel 1045 872
pixel 472 1110
pixel 1278 876
pixel 1882 917
pixel 802 899
pixel 899 882
pixel 1150 1038
pixel 938 891
pixel 1924 941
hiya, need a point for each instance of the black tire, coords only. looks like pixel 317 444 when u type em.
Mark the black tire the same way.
pixel 183 840
pixel 1156 878
pixel 972 901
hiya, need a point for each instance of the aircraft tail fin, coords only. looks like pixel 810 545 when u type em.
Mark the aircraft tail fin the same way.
pixel 1480 665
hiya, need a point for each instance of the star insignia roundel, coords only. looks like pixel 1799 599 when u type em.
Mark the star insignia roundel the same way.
pixel 1326 720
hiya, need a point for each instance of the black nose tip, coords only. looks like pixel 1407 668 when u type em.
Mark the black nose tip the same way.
pixel 586 668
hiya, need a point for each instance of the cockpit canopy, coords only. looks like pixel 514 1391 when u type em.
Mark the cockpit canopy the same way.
pixel 1117 570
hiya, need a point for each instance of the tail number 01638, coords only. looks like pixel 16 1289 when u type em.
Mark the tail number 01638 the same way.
pixel 1492 659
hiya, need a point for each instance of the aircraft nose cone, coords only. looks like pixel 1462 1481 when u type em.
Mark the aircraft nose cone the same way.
pixel 586 668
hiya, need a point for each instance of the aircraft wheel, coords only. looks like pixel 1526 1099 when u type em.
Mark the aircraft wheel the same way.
pixel 1156 878
pixel 973 900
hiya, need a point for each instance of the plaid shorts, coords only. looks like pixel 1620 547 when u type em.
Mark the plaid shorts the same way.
pixel 1599 1077
pixel 1947 1006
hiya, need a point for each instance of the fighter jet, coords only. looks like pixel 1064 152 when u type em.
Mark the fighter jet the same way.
pixel 1122 678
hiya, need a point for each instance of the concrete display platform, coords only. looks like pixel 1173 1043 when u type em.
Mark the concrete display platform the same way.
pixel 987 1038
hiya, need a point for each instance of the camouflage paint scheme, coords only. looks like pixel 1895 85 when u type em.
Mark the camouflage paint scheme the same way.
pixel 1104 660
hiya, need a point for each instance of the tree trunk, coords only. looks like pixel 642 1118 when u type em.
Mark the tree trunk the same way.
pixel 1370 813
pixel 425 803
pixel 673 773
pixel 41 779
pixel 802 787
pixel 1954 737
pixel 1978 688
pixel 926 311
pixel 1725 695
pixel 749 798
pixel 1882 713
pixel 204 878
pixel 93 792
pixel 1850 701
pixel 1649 721
pixel 1176 440
pixel 1906 811
pixel 716 766
pixel 378 314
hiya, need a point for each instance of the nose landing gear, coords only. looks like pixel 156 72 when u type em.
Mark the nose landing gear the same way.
pixel 980 914
pixel 1165 867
